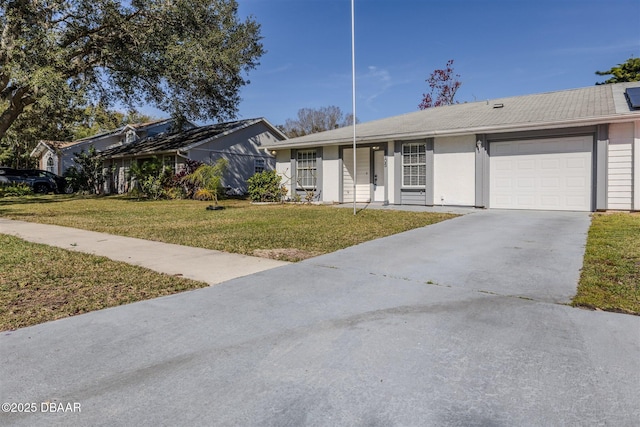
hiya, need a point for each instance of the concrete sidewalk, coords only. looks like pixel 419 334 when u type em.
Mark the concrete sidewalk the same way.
pixel 205 265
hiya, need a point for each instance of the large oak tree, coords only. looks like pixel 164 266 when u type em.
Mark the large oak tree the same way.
pixel 188 58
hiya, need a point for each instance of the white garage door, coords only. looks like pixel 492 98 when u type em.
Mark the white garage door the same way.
pixel 547 174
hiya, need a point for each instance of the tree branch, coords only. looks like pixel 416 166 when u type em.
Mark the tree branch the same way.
pixel 19 101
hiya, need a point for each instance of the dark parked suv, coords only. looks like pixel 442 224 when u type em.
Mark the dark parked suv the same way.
pixel 40 181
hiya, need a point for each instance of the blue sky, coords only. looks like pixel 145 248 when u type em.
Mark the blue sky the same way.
pixel 499 47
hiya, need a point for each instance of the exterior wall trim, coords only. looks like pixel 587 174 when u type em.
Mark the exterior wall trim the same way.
pixel 397 172
pixel 636 166
pixel 601 168
pixel 482 172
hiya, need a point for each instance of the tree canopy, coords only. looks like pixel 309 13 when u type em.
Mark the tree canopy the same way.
pixel 628 71
pixel 312 120
pixel 186 57
pixel 443 84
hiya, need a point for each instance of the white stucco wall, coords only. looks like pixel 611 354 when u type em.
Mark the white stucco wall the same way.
pixel 620 166
pixel 283 167
pixel 454 170
pixel 331 173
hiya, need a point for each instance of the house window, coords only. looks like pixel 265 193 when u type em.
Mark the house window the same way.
pixel 169 162
pixel 50 164
pixel 130 137
pixel 306 168
pixel 414 165
pixel 258 165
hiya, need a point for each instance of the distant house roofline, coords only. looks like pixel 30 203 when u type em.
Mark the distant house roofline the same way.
pixel 185 140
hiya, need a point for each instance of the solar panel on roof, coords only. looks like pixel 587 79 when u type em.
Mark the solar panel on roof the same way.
pixel 633 95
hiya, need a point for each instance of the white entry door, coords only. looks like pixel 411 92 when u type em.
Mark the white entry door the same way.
pixel 545 174
pixel 378 176
pixel 363 182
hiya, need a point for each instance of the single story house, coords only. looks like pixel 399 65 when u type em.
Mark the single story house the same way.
pixel 241 143
pixel 58 156
pixel 573 150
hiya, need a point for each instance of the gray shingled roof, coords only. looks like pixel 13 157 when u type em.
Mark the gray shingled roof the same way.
pixel 585 106
pixel 178 141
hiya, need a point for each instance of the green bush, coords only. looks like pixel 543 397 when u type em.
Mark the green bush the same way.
pixel 15 190
pixel 88 176
pixel 266 186
pixel 152 178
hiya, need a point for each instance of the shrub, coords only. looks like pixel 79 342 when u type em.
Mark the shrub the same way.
pixel 266 186
pixel 89 175
pixel 180 186
pixel 152 178
pixel 208 180
pixel 15 190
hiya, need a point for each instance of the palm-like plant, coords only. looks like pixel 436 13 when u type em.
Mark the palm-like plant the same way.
pixel 208 179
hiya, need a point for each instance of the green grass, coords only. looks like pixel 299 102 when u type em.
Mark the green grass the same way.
pixel 610 278
pixel 283 231
pixel 39 283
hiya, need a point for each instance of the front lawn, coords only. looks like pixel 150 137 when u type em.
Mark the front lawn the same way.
pixel 39 283
pixel 610 278
pixel 282 231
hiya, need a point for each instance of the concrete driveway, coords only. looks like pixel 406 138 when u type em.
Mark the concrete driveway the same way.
pixel 457 324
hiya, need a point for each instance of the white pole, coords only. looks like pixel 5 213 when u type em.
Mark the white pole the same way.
pixel 353 100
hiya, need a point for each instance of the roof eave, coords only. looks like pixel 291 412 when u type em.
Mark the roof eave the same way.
pixel 520 127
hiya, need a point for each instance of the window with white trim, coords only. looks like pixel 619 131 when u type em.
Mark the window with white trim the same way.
pixel 414 165
pixel 50 163
pixel 306 168
pixel 130 136
pixel 258 165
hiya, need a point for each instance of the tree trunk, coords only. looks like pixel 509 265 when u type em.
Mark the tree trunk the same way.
pixel 17 103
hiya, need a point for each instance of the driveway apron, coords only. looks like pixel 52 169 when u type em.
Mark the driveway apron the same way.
pixel 461 323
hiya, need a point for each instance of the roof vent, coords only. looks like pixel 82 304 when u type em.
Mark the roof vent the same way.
pixel 633 95
pixel 498 105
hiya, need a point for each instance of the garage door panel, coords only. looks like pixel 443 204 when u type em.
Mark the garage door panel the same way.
pixel 550 183
pixel 525 200
pixel 550 164
pixel 550 174
pixel 550 201
pixel 526 164
pixel 526 183
pixel 577 183
pixel 577 163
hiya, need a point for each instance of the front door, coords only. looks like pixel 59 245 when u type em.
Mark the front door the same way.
pixel 378 176
pixel 361 173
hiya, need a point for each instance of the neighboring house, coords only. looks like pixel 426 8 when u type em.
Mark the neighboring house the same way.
pixel 57 157
pixel 240 142
pixel 568 150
